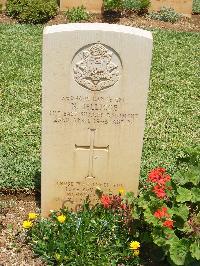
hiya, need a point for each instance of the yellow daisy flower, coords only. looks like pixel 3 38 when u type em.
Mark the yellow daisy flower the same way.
pixel 121 191
pixel 27 224
pixel 32 216
pixel 134 245
pixel 61 218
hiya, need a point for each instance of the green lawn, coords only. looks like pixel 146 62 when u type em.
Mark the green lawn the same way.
pixel 196 6
pixel 172 116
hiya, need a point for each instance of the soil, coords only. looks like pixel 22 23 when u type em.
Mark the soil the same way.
pixel 14 206
pixel 128 19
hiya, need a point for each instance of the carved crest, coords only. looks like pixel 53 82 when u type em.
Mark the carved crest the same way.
pixel 96 71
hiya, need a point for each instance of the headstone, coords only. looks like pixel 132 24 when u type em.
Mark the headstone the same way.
pixel 180 6
pixel 3 4
pixel 95 84
pixel 91 5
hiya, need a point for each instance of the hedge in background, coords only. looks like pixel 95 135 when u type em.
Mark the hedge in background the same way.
pixel 32 11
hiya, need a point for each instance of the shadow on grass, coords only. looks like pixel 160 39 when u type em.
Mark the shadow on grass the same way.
pixel 37 185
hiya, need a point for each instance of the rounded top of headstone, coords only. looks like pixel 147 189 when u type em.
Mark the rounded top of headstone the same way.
pixel 97 27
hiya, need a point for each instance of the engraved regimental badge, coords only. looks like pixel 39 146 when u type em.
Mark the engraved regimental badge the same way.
pixel 96 67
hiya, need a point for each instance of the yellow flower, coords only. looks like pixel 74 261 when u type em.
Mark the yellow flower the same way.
pixel 32 216
pixel 121 191
pixel 136 252
pixel 134 245
pixel 27 224
pixel 61 218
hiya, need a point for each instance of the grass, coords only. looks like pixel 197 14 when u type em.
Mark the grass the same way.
pixel 172 115
pixel 196 6
pixel 20 85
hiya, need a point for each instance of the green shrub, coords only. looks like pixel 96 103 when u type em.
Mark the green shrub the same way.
pixel 32 11
pixel 168 210
pixel 196 6
pixel 136 5
pixel 92 236
pixel 77 14
pixel 112 5
pixel 165 14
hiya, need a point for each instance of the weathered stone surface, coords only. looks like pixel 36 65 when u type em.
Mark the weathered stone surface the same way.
pixel 95 83
pixel 91 5
pixel 180 6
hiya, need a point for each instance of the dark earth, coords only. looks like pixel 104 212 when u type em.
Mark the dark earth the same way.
pixel 128 19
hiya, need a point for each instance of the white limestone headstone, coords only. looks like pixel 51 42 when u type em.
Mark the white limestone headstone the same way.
pixel 95 84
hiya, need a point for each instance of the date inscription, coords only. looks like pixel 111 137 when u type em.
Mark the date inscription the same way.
pixel 92 111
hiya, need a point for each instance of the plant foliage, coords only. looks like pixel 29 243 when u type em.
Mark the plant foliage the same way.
pixel 169 210
pixel 165 14
pixel 92 236
pixel 112 5
pixel 196 6
pixel 164 220
pixel 136 5
pixel 77 14
pixel 32 11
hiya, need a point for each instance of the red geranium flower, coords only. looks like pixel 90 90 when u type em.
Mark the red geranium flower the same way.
pixel 167 178
pixel 106 201
pixel 169 224
pixel 158 175
pixel 159 191
pixel 161 213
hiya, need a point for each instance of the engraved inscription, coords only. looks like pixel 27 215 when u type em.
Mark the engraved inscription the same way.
pixel 91 148
pixel 74 192
pixel 93 111
pixel 95 70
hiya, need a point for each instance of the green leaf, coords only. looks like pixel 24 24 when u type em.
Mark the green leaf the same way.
pixel 195 192
pixel 195 250
pixel 158 240
pixel 158 237
pixel 178 251
pixel 135 214
pixel 142 203
pixel 149 218
pixel 181 211
pixel 184 194
pixel 194 175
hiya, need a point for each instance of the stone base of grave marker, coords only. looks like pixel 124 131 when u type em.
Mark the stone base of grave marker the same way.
pixel 95 84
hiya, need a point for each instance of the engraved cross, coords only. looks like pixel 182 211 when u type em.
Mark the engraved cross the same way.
pixel 91 149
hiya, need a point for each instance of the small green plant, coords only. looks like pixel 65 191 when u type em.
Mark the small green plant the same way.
pixel 77 14
pixel 196 7
pixel 1 8
pixel 91 236
pixel 165 14
pixel 168 211
pixel 32 11
pixel 113 5
pixel 136 5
